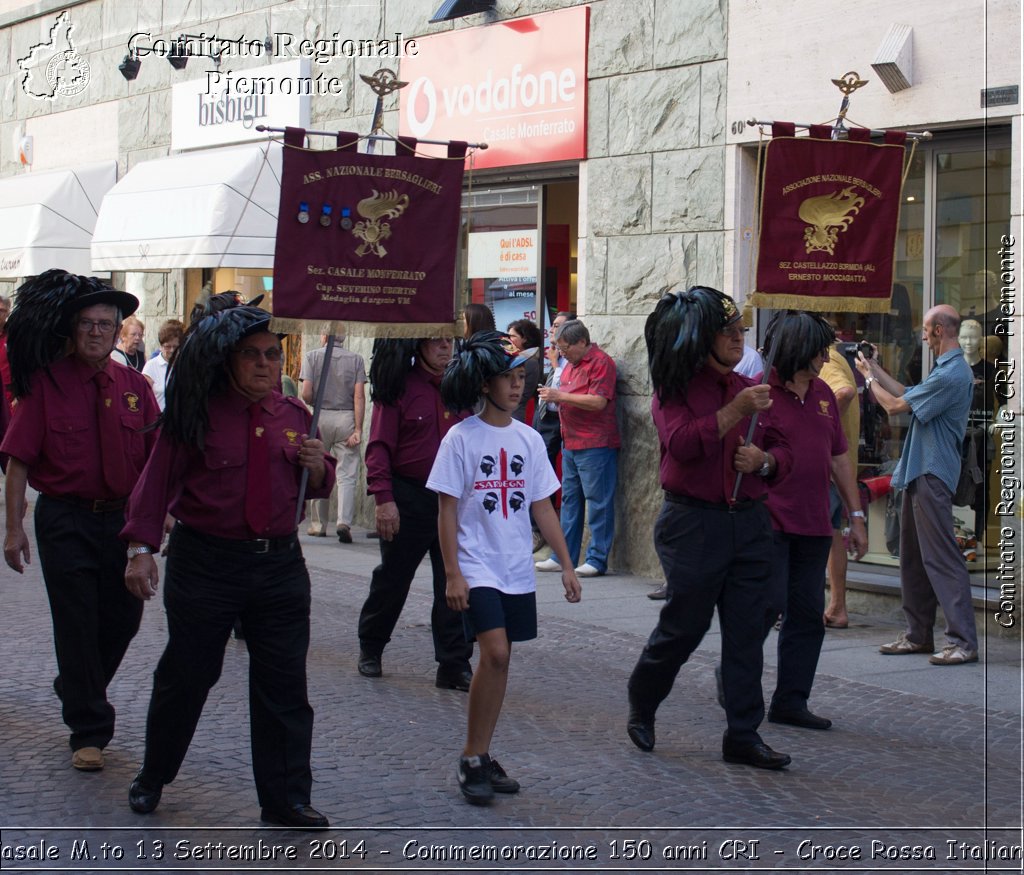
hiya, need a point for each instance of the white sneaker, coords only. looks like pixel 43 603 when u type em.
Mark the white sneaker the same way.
pixel 587 570
pixel 547 565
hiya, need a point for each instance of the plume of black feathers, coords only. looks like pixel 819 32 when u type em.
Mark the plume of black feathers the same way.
pixel 478 359
pixel 680 335
pixel 200 370
pixel 37 333
pixel 796 337
pixel 390 363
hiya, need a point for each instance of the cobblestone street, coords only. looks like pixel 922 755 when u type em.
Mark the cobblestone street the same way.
pixel 919 755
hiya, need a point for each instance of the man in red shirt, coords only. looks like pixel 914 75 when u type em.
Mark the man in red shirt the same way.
pixel 227 467
pixel 590 447
pixel 76 435
pixel 409 419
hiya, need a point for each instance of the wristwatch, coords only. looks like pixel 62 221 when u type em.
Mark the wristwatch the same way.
pixel 766 466
pixel 868 381
pixel 857 514
pixel 136 551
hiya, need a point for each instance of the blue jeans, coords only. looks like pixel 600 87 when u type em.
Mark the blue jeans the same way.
pixel 588 478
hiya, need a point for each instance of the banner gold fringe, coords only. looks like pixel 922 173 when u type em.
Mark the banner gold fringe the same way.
pixel 363 329
pixel 814 304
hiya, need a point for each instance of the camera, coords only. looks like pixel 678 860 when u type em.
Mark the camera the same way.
pixel 851 349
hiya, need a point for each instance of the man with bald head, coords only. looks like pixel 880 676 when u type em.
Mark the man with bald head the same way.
pixel 932 571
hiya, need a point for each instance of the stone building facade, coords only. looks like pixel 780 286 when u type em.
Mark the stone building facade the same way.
pixel 662 199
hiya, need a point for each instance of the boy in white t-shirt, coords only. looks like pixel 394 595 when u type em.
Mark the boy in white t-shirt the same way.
pixel 490 472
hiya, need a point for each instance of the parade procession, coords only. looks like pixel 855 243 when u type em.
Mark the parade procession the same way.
pixel 346 345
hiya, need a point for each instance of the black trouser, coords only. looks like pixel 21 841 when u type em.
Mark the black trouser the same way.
pixel 390 582
pixel 710 557
pixel 206 588
pixel 94 615
pixel 547 423
pixel 798 593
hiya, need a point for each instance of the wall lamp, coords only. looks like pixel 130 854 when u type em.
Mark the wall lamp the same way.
pixel 452 9
pixel 185 46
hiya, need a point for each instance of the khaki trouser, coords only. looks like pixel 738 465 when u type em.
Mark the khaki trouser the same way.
pixel 335 428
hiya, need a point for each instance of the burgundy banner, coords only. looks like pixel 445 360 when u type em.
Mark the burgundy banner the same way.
pixel 368 239
pixel 830 211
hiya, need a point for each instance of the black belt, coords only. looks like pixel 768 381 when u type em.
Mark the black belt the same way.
pixel 237 545
pixel 96 505
pixel 742 504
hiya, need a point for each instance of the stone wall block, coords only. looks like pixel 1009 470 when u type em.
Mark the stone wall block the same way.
pixel 597 118
pixel 654 112
pixel 689 190
pixel 689 31
pixel 594 297
pixel 619 195
pixel 639 496
pixel 712 103
pixel 642 269
pixel 711 261
pixel 621 43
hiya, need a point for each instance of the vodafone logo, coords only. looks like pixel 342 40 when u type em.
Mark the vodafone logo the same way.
pixel 515 93
pixel 519 86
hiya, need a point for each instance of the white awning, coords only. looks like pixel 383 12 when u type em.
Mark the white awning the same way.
pixel 47 219
pixel 214 208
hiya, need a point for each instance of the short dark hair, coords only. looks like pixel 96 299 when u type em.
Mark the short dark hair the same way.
pixel 796 338
pixel 529 331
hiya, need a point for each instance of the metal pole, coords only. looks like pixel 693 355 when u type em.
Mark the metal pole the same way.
pixel 321 386
pixel 753 422
pixel 911 135
pixel 376 137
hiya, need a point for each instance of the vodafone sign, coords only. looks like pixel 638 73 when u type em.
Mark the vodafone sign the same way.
pixel 520 86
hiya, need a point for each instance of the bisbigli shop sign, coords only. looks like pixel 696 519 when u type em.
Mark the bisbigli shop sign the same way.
pixel 223 108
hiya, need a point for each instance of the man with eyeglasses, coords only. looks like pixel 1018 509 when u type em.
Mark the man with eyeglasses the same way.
pixel 76 436
pixel 714 546
pixel 227 467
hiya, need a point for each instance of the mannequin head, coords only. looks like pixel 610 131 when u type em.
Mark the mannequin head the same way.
pixel 970 340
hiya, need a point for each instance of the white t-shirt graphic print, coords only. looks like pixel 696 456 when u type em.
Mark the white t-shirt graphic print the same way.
pixel 495 473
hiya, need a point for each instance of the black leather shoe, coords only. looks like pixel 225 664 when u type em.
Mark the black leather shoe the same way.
pixel 369 665
pixel 453 679
pixel 143 795
pixel 758 755
pixel 304 817
pixel 804 719
pixel 640 729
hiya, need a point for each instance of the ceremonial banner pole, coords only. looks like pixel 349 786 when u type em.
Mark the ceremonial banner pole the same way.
pixel 753 422
pixel 398 288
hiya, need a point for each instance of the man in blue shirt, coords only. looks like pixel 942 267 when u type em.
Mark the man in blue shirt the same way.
pixel 932 571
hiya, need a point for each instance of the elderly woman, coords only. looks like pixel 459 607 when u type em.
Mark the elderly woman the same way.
pixel 155 370
pixel 528 341
pixel 130 350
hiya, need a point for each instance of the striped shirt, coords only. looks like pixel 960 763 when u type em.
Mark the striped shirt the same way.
pixel 938 420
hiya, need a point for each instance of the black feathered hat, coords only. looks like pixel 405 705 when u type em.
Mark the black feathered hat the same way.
pixel 200 369
pixel 796 337
pixel 680 335
pixel 485 355
pixel 40 322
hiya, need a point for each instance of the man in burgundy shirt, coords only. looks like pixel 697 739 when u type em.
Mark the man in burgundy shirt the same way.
pixel 409 420
pixel 590 447
pixel 76 437
pixel 227 468
pixel 715 548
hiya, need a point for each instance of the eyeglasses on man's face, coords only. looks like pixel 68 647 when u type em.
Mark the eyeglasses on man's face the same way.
pixel 104 326
pixel 251 354
pixel 733 331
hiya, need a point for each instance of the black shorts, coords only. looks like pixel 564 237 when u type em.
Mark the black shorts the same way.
pixel 490 608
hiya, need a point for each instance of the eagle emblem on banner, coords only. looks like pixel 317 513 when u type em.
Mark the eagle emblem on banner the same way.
pixel 373 231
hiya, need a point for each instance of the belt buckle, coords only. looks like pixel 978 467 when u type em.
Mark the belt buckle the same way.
pixel 98 505
pixel 262 545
